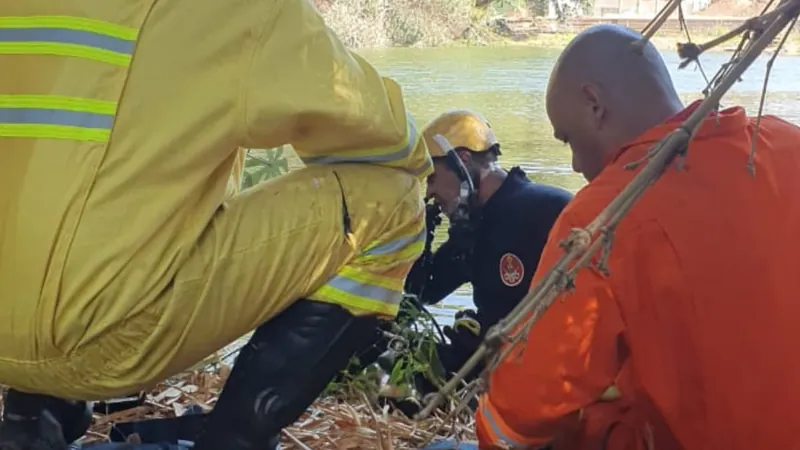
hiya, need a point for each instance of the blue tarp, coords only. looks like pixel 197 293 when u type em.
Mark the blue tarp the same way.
pixel 124 446
pixel 443 445
pixel 452 445
pixel 185 428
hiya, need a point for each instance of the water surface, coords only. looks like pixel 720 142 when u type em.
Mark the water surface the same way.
pixel 507 85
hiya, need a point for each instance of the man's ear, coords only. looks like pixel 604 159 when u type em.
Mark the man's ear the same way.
pixel 593 99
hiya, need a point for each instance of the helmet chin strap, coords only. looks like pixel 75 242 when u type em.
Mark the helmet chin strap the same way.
pixel 468 195
pixel 468 192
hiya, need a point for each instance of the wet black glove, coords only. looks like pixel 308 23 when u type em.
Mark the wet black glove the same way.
pixel 420 272
pixel 433 219
pixel 461 235
pixel 465 334
pixel 467 314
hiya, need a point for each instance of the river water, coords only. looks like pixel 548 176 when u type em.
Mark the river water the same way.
pixel 507 85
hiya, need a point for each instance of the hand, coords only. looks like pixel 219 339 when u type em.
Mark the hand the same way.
pixel 465 332
pixel 467 313
pixel 462 239
pixel 433 219
pixel 433 216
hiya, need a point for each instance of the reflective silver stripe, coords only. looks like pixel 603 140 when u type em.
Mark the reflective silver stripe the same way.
pixel 422 169
pixel 67 36
pixel 500 435
pixel 397 244
pixel 40 116
pixel 370 291
pixel 386 157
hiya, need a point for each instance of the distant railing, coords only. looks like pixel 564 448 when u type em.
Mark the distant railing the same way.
pixel 696 24
pixel 575 25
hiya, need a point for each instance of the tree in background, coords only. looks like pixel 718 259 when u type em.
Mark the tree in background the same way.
pixel 563 9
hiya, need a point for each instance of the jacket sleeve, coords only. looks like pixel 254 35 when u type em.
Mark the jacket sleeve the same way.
pixel 442 278
pixel 305 88
pixel 570 359
pixel 237 174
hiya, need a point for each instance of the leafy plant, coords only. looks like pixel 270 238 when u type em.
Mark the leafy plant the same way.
pixel 262 165
pixel 413 353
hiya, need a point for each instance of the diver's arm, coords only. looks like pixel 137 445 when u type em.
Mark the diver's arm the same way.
pixel 443 275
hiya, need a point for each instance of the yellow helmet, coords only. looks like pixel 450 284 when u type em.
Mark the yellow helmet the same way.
pixel 458 128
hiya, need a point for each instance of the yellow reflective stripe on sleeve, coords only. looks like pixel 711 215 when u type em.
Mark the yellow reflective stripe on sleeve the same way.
pixel 75 51
pixel 395 245
pixel 56 117
pixel 388 154
pixel 72 23
pixel 58 102
pixel 53 132
pixel 67 36
pixel 425 169
pixel 373 282
pixel 366 297
pixel 365 277
pixel 401 249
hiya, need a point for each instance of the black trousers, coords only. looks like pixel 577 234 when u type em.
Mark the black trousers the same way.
pixel 41 422
pixel 284 367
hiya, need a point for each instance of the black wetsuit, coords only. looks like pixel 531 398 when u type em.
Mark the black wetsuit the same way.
pixel 509 238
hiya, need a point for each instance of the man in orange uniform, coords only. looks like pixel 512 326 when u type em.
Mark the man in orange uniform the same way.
pixel 696 326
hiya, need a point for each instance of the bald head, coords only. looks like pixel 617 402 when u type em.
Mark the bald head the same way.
pixel 603 93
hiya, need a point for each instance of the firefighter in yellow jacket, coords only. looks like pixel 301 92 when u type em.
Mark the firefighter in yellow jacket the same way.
pixel 122 261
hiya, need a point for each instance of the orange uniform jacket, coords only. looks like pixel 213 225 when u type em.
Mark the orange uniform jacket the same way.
pixel 697 324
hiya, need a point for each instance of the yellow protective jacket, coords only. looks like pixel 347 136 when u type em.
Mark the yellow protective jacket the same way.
pixel 127 104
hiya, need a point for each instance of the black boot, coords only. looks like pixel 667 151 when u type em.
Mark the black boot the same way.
pixel 30 417
pixel 283 368
pixel 369 352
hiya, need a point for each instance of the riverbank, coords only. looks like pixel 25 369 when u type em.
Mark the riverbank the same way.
pixel 486 37
pixel 374 24
pixel 664 42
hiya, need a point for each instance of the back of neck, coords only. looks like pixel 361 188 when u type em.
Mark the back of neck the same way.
pixel 491 180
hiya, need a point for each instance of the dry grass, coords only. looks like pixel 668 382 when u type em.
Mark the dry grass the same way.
pixel 330 423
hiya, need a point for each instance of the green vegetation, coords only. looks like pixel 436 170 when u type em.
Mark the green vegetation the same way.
pixel 384 23
pixel 411 352
pixel 427 23
pixel 262 165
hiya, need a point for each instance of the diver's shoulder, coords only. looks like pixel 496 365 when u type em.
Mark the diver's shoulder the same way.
pixel 535 192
